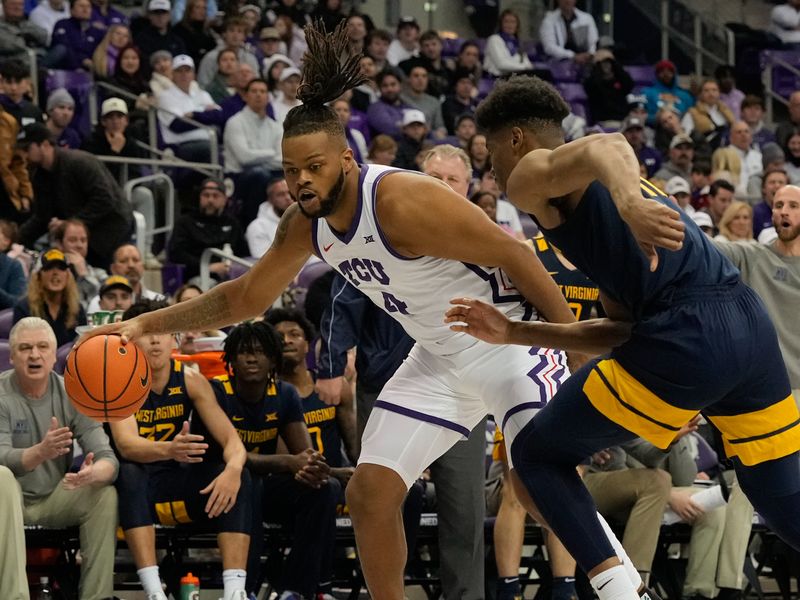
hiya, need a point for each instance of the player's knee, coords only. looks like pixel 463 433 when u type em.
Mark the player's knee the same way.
pixel 9 490
pixel 374 488
pixel 105 500
pixel 131 478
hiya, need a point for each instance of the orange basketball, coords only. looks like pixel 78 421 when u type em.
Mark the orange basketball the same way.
pixel 106 380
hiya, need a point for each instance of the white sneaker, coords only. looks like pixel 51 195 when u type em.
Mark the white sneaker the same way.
pixel 157 596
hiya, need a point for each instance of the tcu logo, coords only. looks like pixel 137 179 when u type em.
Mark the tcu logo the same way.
pixel 358 271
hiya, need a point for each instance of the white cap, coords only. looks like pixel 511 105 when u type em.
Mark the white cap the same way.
pixel 182 60
pixel 113 105
pixel 159 5
pixel 413 116
pixel 702 219
pixel 288 72
pixel 677 185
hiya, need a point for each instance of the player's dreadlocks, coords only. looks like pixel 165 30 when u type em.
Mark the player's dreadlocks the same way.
pixel 329 70
pixel 245 337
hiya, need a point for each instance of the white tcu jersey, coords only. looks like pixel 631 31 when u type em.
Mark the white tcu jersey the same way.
pixel 415 291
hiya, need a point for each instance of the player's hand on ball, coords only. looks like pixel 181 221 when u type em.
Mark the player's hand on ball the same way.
pixel 654 225
pixel 85 476
pixel 56 442
pixel 187 447
pixel 129 331
pixel 222 492
pixel 479 319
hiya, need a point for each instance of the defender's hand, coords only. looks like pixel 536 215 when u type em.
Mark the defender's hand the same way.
pixel 480 320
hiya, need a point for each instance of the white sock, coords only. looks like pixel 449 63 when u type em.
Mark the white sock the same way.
pixel 630 569
pixel 232 581
pixel 151 581
pixel 613 584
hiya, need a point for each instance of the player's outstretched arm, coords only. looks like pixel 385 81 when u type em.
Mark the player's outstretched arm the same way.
pixel 232 301
pixel 608 158
pixel 485 322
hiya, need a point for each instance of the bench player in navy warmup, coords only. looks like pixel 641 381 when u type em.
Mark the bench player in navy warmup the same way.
pixel 701 340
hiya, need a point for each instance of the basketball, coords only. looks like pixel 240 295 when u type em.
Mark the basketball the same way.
pixel 106 380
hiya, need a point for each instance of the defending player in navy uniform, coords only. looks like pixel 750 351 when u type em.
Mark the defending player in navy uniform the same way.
pixel 701 340
pixel 164 476
pixel 328 426
pixel 410 243
pixel 294 488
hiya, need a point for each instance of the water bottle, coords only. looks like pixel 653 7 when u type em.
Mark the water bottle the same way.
pixel 44 589
pixel 190 587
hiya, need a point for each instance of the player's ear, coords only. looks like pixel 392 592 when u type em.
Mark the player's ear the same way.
pixel 517 138
pixel 348 160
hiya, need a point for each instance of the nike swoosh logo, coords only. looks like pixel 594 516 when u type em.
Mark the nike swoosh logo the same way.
pixel 600 587
pixel 328 247
pixel 238 419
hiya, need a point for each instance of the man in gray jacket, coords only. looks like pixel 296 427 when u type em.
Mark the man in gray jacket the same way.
pixel 37 426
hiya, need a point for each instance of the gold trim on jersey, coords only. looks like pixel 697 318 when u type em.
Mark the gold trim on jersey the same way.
pixel 225 380
pixel 649 190
pixel 172 513
pixel 762 435
pixel 626 401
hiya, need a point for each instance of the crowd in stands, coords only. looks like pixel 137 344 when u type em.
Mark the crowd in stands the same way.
pixel 67 253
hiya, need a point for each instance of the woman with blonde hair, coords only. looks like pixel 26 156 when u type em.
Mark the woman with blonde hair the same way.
pixel 53 296
pixel 104 59
pixel 736 224
pixel 727 164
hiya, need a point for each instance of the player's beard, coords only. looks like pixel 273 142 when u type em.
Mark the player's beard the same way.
pixel 331 201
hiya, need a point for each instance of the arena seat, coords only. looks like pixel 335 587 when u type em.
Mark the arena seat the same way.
pixel 6 322
pixel 5 355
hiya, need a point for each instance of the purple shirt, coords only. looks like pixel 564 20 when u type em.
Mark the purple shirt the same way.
pixel 114 17
pixel 762 218
pixel 651 158
pixel 69 138
pixel 80 43
pixel 386 118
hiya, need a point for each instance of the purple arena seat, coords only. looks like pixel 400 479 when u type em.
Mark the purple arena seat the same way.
pixel 642 75
pixel 61 357
pixel 6 321
pixel 564 71
pixel 5 355
pixel 451 46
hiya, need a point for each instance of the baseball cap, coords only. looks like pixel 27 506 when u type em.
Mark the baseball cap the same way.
pixel 269 33
pixel 158 55
pixel 702 219
pixel 35 133
pixel 113 105
pixel 213 184
pixel 407 21
pixel 52 258
pixel 59 97
pixel 631 122
pixel 681 138
pixel 666 64
pixel 636 101
pixel 412 116
pixel 115 281
pixel 288 72
pixel 677 185
pixel 182 60
pixel 158 5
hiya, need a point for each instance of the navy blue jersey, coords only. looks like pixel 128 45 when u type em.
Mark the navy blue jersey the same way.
pixel 599 243
pixel 580 292
pixel 323 428
pixel 259 425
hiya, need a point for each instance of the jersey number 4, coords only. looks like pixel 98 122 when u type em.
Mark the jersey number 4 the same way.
pixel 392 304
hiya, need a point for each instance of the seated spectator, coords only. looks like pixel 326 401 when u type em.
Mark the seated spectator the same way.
pixel 293 38
pixel 752 111
pixel 180 8
pixel 357 33
pixel 678 188
pixel 60 112
pixel 633 130
pixel 127 261
pixel 9 234
pixel 729 95
pixel 465 130
pixel 261 231
pixel 243 75
pixel 377 47
pixel 187 338
pixel 507 214
pixel 772 157
pixel 251 15
pixel 157 34
pixel 222 86
pixel 773 180
pixel 568 33
pixel 406 43
pixel 355 139
pixel 668 125
pixel 73 183
pixel 161 76
pixel 720 197
pixel 367 92
pixel 186 99
pixel 607 88
pixel 233 37
pixel 741 139
pixel 787 128
pixel 116 294
pixel 194 30
pixel 330 13
pixel 681 154
pixel 112 137
pixel 463 100
pixel 478 155
pixel 272 69
pixel 468 59
pixel 74 40
pixel 700 182
pixel 129 75
pixel 709 115
pixel 293 486
pixel 72 238
pixel 440 77
pixel 253 149
pixel 382 150
pixel 487 202
pixel 504 54
pixel 269 44
pixel 151 474
pixel 785 22
pixel 666 91
pixel 41 455
pixel 16 191
pixel 415 96
pixel 207 227
pixel 288 84
pixel 53 296
pixel 13 283
pixel 18 33
pixel 415 130
pixel 736 224
pixel 792 152
pixel 386 115
pixel 47 14
pixel 104 15
pixel 15 87
pixel 106 55
pixel 726 164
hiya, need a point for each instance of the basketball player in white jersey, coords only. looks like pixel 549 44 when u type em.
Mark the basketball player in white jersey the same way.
pixel 410 244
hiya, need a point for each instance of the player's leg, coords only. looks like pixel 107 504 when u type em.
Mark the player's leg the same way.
pixel 509 534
